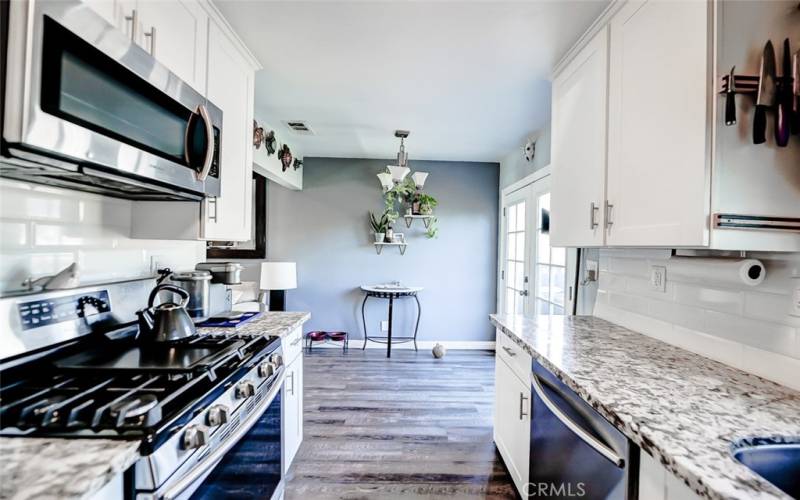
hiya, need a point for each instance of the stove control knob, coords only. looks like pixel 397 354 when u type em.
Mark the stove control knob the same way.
pixel 276 360
pixel 245 389
pixel 195 436
pixel 218 415
pixel 266 369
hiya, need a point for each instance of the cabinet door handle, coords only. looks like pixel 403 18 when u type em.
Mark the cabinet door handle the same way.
pixel 152 36
pixel 609 209
pixel 522 400
pixel 134 19
pixel 593 209
pixel 297 341
pixel 291 377
pixel 509 351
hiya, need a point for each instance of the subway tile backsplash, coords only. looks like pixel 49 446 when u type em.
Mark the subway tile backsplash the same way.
pixel 43 230
pixel 750 327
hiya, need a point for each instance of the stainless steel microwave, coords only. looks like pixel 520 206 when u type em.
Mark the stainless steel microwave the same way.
pixel 86 108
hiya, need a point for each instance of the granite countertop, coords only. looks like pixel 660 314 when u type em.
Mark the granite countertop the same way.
pixel 76 468
pixel 681 408
pixel 61 468
pixel 272 323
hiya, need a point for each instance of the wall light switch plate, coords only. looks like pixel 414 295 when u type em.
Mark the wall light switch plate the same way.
pixel 658 278
pixel 796 300
pixel 384 326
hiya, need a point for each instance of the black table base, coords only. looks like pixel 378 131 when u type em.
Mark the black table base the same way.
pixel 389 339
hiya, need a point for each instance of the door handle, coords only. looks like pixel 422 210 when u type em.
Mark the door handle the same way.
pixel 593 209
pixel 609 208
pixel 208 159
pixel 587 438
pixel 509 351
pixel 134 19
pixel 524 293
pixel 152 36
pixel 522 399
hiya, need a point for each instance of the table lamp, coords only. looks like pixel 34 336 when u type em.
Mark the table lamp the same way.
pixel 277 277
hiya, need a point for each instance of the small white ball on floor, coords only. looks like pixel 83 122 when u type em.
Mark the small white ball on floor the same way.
pixel 439 351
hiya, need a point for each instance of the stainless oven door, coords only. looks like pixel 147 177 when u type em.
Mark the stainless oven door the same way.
pixel 80 91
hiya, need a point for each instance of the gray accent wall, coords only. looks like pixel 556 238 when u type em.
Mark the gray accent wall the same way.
pixel 324 228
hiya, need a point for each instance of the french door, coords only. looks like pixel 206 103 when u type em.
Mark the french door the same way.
pixel 534 277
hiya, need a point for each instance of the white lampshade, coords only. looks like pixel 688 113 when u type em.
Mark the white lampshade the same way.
pixel 386 180
pixel 278 275
pixel 419 178
pixel 398 173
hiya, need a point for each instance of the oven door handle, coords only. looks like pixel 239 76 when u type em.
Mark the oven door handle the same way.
pixel 587 438
pixel 209 157
pixel 216 456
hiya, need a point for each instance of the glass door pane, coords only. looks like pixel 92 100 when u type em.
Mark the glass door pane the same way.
pixel 551 275
pixel 515 261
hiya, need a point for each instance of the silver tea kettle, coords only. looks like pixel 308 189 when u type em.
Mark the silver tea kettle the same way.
pixel 168 321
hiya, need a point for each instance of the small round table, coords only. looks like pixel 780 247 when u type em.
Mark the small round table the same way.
pixel 390 293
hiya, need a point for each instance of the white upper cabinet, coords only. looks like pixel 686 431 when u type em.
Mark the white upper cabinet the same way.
pixel 579 147
pixel 230 86
pixel 658 181
pixel 175 32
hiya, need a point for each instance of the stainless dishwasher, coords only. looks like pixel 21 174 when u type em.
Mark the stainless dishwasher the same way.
pixel 575 452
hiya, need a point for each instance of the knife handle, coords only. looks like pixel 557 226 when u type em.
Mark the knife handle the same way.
pixel 730 109
pixel 760 125
pixel 783 118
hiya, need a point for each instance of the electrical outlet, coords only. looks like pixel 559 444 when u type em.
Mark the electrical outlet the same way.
pixel 155 263
pixel 384 326
pixel 658 278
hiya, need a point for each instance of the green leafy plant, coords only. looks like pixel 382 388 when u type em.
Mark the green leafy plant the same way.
pixel 381 224
pixel 426 203
pixel 433 228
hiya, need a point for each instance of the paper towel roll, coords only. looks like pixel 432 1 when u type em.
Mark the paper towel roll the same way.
pixel 718 270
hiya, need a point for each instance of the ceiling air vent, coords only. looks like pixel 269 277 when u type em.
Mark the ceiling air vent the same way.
pixel 299 127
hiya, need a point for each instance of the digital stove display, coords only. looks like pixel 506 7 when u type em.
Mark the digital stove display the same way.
pixel 39 313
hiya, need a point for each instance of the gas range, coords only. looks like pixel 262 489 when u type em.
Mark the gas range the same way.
pixel 189 403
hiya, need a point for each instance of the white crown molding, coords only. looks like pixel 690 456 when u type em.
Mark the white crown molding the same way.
pixel 601 21
pixel 216 16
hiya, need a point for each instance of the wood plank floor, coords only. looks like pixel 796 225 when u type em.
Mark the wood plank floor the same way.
pixel 411 427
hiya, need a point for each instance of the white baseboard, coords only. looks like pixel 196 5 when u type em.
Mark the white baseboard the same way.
pixel 423 345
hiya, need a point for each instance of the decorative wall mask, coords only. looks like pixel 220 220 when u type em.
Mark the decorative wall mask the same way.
pixel 530 150
pixel 285 155
pixel 270 142
pixel 258 135
pixel 297 163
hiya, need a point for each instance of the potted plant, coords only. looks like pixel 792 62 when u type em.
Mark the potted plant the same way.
pixel 426 204
pixel 379 225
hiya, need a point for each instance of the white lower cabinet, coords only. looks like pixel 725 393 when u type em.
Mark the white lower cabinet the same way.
pixel 657 483
pixel 512 425
pixel 293 398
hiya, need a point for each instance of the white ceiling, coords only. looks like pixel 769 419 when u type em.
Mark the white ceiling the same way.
pixel 469 79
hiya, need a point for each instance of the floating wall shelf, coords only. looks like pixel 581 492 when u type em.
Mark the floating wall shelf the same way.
pixel 401 246
pixel 426 219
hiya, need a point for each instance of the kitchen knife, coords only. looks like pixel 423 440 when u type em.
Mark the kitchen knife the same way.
pixel 783 116
pixel 796 93
pixel 766 93
pixel 730 100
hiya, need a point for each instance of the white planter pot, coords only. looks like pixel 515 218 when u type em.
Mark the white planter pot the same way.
pixel 379 237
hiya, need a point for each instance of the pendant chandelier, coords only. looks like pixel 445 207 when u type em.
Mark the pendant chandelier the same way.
pixel 395 174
